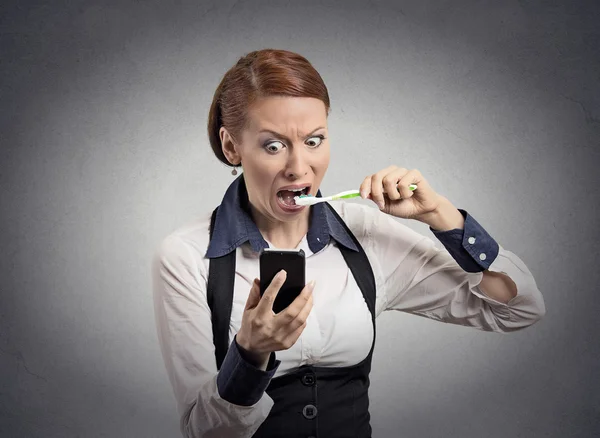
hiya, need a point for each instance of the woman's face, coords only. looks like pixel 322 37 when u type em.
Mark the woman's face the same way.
pixel 284 149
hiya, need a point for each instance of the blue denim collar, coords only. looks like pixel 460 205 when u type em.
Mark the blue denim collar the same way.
pixel 234 225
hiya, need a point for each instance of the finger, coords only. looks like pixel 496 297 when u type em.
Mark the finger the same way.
pixel 390 183
pixel 292 338
pixel 298 325
pixel 410 177
pixel 266 301
pixel 296 306
pixel 377 186
pixel 365 188
pixel 254 296
pixel 302 316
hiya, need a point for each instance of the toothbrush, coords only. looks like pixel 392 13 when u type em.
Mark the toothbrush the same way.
pixel 312 200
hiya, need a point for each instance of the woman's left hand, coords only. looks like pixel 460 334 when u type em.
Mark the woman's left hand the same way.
pixel 398 200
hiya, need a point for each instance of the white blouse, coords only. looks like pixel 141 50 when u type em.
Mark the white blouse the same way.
pixel 411 274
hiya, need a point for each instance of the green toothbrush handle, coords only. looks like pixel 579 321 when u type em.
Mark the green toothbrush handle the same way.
pixel 351 195
pixel 356 193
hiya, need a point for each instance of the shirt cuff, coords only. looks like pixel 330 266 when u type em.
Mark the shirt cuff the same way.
pixel 240 382
pixel 472 247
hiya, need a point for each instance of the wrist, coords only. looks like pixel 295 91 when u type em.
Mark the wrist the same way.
pixel 258 360
pixel 444 218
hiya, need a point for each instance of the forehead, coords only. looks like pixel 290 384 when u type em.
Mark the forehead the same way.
pixel 283 111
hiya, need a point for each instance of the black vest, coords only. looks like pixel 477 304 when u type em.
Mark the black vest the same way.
pixel 312 401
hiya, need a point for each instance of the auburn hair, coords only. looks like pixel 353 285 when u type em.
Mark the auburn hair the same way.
pixel 261 73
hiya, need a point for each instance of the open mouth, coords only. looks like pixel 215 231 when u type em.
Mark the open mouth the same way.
pixel 286 197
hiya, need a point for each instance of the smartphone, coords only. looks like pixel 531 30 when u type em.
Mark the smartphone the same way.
pixel 294 263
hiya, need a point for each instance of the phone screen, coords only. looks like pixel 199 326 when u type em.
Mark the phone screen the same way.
pixel 293 262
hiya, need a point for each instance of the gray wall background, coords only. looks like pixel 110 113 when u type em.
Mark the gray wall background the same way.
pixel 104 152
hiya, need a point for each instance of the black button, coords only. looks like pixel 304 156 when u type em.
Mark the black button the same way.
pixel 308 379
pixel 309 411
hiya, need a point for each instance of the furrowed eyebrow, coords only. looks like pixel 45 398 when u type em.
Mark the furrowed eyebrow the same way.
pixel 276 134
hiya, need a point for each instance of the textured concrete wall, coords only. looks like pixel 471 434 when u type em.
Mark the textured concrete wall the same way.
pixel 104 151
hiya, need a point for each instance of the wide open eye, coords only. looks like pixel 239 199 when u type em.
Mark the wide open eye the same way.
pixel 315 141
pixel 274 146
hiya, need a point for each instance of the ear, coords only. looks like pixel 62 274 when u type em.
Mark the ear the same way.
pixel 230 149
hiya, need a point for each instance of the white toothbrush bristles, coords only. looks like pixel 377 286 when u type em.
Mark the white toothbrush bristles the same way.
pixel 307 200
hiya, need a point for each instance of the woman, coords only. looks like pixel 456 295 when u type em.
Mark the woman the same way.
pixel 240 370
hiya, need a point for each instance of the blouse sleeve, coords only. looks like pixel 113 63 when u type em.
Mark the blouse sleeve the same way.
pixel 184 329
pixel 425 280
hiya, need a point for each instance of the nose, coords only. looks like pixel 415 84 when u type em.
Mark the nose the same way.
pixel 297 164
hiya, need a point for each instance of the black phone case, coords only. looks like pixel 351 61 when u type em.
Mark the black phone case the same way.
pixel 294 263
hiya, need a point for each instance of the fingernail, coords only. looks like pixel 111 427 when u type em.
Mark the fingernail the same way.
pixel 311 286
pixel 362 194
pixel 281 274
pixel 381 205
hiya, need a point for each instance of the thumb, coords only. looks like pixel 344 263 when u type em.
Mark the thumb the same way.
pixel 254 296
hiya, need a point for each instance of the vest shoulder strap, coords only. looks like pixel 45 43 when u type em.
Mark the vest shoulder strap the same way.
pixel 219 294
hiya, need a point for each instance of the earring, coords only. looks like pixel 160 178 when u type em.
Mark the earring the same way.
pixel 234 171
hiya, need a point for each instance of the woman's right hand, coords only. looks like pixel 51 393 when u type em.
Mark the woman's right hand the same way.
pixel 262 331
